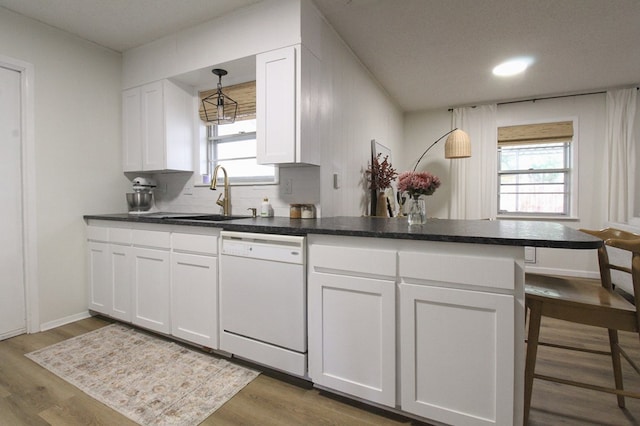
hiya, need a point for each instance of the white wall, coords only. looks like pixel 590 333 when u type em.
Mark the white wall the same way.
pixel 354 110
pixel 421 129
pixel 258 28
pixel 589 111
pixel 78 156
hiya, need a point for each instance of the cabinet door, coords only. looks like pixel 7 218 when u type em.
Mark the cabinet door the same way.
pixel 276 106
pixel 179 112
pixel 457 355
pixel 194 298
pixel 120 281
pixel 151 285
pixel 152 126
pixel 131 131
pixel 99 277
pixel 157 127
pixel 352 339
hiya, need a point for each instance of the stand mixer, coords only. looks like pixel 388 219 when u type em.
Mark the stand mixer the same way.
pixel 141 201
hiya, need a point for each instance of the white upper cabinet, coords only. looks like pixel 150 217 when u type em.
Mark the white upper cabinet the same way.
pixel 157 127
pixel 287 99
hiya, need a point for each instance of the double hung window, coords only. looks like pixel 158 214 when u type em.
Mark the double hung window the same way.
pixel 233 146
pixel 535 175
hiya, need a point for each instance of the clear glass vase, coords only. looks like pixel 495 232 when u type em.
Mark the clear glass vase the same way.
pixel 417 211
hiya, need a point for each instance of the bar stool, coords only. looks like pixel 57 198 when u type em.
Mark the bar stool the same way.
pixel 580 301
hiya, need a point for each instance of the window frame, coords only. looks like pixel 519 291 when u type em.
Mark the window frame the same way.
pixel 566 183
pixel 571 166
pixel 213 140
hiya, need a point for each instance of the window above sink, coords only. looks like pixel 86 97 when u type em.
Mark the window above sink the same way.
pixel 233 146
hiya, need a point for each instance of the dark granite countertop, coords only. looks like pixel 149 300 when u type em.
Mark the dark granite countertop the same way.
pixel 496 232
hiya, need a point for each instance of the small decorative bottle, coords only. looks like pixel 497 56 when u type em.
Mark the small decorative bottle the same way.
pixel 265 208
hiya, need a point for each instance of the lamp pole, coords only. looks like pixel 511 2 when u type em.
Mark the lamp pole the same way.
pixel 431 146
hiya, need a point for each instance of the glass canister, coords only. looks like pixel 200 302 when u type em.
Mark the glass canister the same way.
pixel 295 211
pixel 308 211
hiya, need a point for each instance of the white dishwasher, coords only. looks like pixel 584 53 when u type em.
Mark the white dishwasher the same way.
pixel 263 299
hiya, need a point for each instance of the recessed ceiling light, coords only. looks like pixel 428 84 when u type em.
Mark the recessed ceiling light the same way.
pixel 512 67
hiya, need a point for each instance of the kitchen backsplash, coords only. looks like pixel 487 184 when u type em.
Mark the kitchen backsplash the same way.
pixel 176 193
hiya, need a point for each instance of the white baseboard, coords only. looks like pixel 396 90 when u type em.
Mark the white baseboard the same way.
pixel 62 321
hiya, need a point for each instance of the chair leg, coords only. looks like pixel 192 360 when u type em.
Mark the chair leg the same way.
pixel 535 313
pixel 617 365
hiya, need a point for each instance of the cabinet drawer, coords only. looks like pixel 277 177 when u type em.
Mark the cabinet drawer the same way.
pixel 192 243
pixel 360 260
pixel 97 233
pixel 151 238
pixel 458 269
pixel 120 235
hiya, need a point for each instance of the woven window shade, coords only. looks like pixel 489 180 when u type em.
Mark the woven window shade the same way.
pixel 561 131
pixel 244 94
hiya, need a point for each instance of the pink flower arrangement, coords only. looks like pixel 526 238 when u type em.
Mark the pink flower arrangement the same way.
pixel 418 183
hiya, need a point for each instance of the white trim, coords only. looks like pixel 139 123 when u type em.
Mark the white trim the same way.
pixel 574 214
pixel 63 321
pixel 26 71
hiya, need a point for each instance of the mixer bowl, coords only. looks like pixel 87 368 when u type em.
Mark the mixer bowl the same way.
pixel 139 201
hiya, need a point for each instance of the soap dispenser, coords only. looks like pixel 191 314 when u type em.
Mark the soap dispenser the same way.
pixel 265 208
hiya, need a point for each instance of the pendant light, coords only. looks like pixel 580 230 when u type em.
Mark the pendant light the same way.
pixel 225 108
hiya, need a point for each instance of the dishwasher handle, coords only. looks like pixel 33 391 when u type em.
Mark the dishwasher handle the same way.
pixel 280 248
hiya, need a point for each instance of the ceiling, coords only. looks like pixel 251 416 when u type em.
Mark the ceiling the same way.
pixel 425 53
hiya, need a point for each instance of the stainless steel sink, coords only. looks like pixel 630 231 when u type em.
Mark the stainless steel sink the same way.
pixel 206 217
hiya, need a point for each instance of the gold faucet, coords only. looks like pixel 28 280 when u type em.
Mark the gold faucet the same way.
pixel 225 202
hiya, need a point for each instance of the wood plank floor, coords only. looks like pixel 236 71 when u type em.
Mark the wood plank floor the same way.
pixel 557 404
pixel 30 395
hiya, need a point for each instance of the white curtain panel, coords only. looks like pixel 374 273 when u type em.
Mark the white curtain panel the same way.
pixel 620 154
pixel 474 180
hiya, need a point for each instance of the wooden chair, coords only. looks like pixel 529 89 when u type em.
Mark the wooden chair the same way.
pixel 580 301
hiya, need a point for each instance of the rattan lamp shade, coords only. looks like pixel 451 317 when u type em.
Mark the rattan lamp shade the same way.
pixel 458 145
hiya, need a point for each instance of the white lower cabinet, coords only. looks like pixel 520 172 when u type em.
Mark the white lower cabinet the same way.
pixel 162 280
pixel 99 276
pixel 352 331
pixel 120 262
pixel 109 272
pixel 454 309
pixel 457 337
pixel 194 289
pixel 151 288
pixel 457 355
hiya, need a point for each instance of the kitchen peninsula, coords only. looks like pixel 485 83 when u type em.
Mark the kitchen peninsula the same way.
pixel 425 320
pixel 498 232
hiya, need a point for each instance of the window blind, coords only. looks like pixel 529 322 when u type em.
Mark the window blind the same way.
pixel 561 131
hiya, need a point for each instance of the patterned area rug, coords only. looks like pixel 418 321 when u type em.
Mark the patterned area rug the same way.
pixel 149 380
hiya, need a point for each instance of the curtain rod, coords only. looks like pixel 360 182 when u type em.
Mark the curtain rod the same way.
pixel 547 97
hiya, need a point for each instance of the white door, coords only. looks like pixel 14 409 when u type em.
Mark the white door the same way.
pixel 99 277
pixel 457 355
pixel 152 289
pixel 352 335
pixel 194 298
pixel 276 106
pixel 12 284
